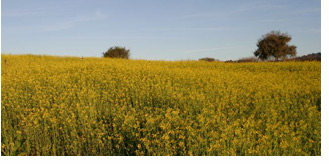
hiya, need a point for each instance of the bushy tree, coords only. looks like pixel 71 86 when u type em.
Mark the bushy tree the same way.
pixel 117 52
pixel 275 44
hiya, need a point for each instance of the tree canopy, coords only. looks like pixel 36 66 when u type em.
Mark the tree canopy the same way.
pixel 275 44
pixel 117 52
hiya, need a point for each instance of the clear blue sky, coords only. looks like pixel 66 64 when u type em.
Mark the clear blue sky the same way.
pixel 156 29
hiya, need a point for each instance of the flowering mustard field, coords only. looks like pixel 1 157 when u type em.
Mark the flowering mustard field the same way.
pixel 94 106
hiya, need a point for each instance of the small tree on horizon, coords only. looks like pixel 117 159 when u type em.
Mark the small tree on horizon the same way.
pixel 275 44
pixel 117 52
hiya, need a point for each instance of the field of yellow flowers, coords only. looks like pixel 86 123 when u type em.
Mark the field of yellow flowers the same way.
pixel 93 106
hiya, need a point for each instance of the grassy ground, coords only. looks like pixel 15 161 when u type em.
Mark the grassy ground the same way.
pixel 92 106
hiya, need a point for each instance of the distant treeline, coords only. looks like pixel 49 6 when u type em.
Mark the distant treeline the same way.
pixel 308 57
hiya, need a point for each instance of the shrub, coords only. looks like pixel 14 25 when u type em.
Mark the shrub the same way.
pixel 248 59
pixel 207 59
pixel 117 52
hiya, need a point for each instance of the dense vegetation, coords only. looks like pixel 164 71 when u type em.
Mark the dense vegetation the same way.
pixel 309 57
pixel 70 106
pixel 117 52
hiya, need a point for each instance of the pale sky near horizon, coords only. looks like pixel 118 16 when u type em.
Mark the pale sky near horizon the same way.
pixel 156 29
